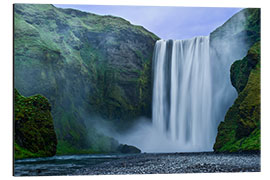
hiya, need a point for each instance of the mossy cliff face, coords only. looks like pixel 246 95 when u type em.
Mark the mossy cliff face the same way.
pixel 236 35
pixel 86 65
pixel 231 41
pixel 228 43
pixel 240 130
pixel 34 130
pixel 240 70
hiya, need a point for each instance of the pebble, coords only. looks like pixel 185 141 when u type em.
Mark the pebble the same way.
pixel 176 163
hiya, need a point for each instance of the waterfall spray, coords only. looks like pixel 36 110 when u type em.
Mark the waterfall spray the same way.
pixel 191 94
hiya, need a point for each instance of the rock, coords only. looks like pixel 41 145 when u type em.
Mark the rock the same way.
pixel 34 129
pixel 128 149
pixel 236 35
pixel 238 38
pixel 240 70
pixel 240 130
pixel 86 65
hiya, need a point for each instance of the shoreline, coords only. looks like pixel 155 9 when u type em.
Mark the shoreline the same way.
pixel 174 163
pixel 143 163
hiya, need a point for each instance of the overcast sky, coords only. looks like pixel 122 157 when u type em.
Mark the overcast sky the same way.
pixel 166 22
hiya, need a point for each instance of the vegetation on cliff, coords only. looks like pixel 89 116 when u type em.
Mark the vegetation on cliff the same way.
pixel 240 130
pixel 86 65
pixel 34 130
pixel 236 39
pixel 243 27
pixel 240 70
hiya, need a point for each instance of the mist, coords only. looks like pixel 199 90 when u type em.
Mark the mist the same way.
pixel 227 44
pixel 148 138
pixel 225 47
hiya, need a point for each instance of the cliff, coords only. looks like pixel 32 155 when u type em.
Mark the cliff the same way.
pixel 237 39
pixel 240 130
pixel 87 66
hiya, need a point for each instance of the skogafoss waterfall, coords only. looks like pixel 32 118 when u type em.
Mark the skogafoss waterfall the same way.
pixel 192 92
pixel 182 93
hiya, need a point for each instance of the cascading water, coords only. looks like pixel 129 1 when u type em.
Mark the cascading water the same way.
pixel 192 92
pixel 182 93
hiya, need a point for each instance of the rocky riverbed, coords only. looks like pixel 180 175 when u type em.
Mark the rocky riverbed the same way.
pixel 177 163
pixel 144 163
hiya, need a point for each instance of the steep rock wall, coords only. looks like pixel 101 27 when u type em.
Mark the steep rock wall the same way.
pixel 240 130
pixel 86 65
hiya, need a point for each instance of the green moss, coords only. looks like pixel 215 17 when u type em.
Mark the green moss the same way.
pixel 240 69
pixel 145 89
pixel 240 130
pixel 21 153
pixel 65 148
pixel 109 98
pixel 253 24
pixel 98 143
pixel 34 130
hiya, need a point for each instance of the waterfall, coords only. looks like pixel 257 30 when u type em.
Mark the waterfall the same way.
pixel 182 93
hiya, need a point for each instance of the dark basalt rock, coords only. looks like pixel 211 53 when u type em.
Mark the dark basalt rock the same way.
pixel 128 149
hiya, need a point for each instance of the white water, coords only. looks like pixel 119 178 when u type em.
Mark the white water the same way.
pixel 182 94
pixel 192 92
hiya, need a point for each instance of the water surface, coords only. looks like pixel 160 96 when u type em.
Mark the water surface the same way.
pixel 60 165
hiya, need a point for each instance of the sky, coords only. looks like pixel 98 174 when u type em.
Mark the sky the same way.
pixel 166 22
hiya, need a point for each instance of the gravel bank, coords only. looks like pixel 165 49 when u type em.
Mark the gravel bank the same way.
pixel 176 163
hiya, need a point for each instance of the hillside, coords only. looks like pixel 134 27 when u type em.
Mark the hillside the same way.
pixel 88 66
